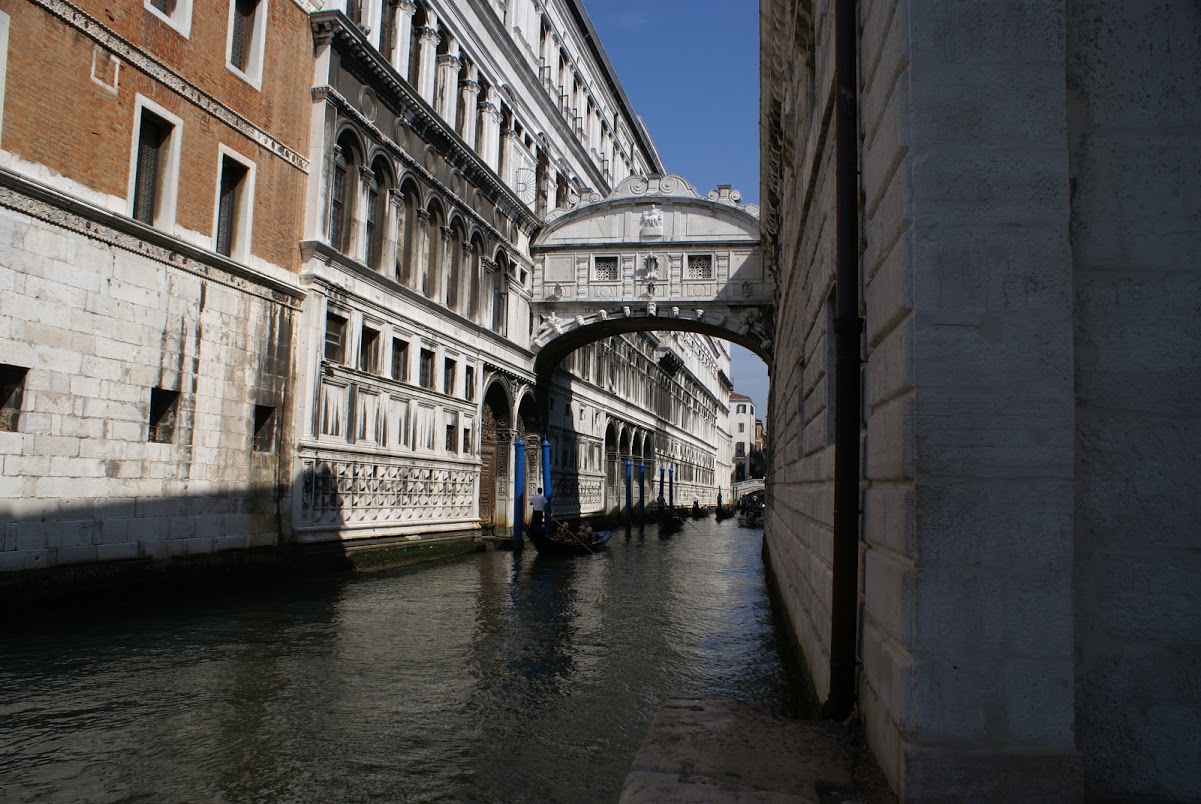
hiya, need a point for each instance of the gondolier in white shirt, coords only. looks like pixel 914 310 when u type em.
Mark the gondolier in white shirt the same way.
pixel 539 503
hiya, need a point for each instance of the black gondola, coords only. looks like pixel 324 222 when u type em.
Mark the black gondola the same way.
pixel 565 542
pixel 670 523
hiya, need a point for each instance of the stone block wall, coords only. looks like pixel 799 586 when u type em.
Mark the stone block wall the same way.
pixel 1135 137
pixel 98 320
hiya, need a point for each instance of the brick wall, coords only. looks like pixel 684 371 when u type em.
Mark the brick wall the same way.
pixel 58 117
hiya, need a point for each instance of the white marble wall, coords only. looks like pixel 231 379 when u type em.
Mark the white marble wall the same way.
pixel 100 320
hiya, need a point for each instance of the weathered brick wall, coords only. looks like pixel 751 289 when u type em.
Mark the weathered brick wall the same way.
pixel 58 117
pixel 1135 134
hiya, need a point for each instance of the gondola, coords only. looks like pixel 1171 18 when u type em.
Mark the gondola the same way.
pixel 670 523
pixel 701 512
pixel 751 518
pixel 568 543
pixel 724 512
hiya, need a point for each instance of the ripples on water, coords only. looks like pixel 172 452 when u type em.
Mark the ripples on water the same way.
pixel 489 678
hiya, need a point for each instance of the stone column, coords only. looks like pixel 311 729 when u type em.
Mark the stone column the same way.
pixel 470 90
pixel 445 97
pixel 403 37
pixel 489 145
pixel 427 55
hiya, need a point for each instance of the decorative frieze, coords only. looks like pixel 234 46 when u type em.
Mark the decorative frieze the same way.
pixel 344 491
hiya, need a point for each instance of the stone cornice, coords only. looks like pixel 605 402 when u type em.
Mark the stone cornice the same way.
pixel 136 57
pixel 67 212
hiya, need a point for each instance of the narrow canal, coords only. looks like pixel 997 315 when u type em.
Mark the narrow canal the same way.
pixel 493 677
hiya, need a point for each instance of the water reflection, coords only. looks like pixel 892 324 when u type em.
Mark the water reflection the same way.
pixel 499 676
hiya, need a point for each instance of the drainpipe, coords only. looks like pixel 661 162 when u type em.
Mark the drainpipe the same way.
pixel 847 405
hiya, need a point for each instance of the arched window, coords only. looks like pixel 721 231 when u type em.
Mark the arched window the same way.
pixel 500 316
pixel 342 193
pixel 377 213
pixel 431 279
pixel 474 269
pixel 406 239
pixel 454 272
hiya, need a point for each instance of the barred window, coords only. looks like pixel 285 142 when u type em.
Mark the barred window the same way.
pixel 700 266
pixel 606 269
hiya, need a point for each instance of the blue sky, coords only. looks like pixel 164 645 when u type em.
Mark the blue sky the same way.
pixel 691 70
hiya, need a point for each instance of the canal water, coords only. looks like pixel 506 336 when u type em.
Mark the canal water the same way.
pixel 494 677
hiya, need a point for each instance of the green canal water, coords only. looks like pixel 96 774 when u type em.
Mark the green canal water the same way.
pixel 493 677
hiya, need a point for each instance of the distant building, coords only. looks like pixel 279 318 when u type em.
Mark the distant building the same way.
pixel 742 434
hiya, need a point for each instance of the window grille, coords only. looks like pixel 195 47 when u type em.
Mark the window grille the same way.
pixel 243 34
pixel 232 175
pixel 152 137
pixel 700 266
pixel 606 269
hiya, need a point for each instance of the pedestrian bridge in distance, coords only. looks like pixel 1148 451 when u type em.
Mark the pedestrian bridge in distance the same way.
pixel 652 255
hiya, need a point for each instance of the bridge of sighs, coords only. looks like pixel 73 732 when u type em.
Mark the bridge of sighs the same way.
pixel 653 255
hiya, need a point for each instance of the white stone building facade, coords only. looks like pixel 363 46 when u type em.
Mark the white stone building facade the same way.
pixel 742 434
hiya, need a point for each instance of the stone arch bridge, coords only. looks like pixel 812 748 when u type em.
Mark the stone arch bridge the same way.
pixel 652 255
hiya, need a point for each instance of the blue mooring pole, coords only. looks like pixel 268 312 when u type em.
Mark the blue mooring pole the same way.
pixel 662 499
pixel 642 492
pixel 546 481
pixel 518 490
pixel 671 489
pixel 629 492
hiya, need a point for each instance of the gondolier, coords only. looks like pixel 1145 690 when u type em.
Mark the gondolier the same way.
pixel 539 503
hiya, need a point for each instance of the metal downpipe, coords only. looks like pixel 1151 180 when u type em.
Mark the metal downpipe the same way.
pixel 847 405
